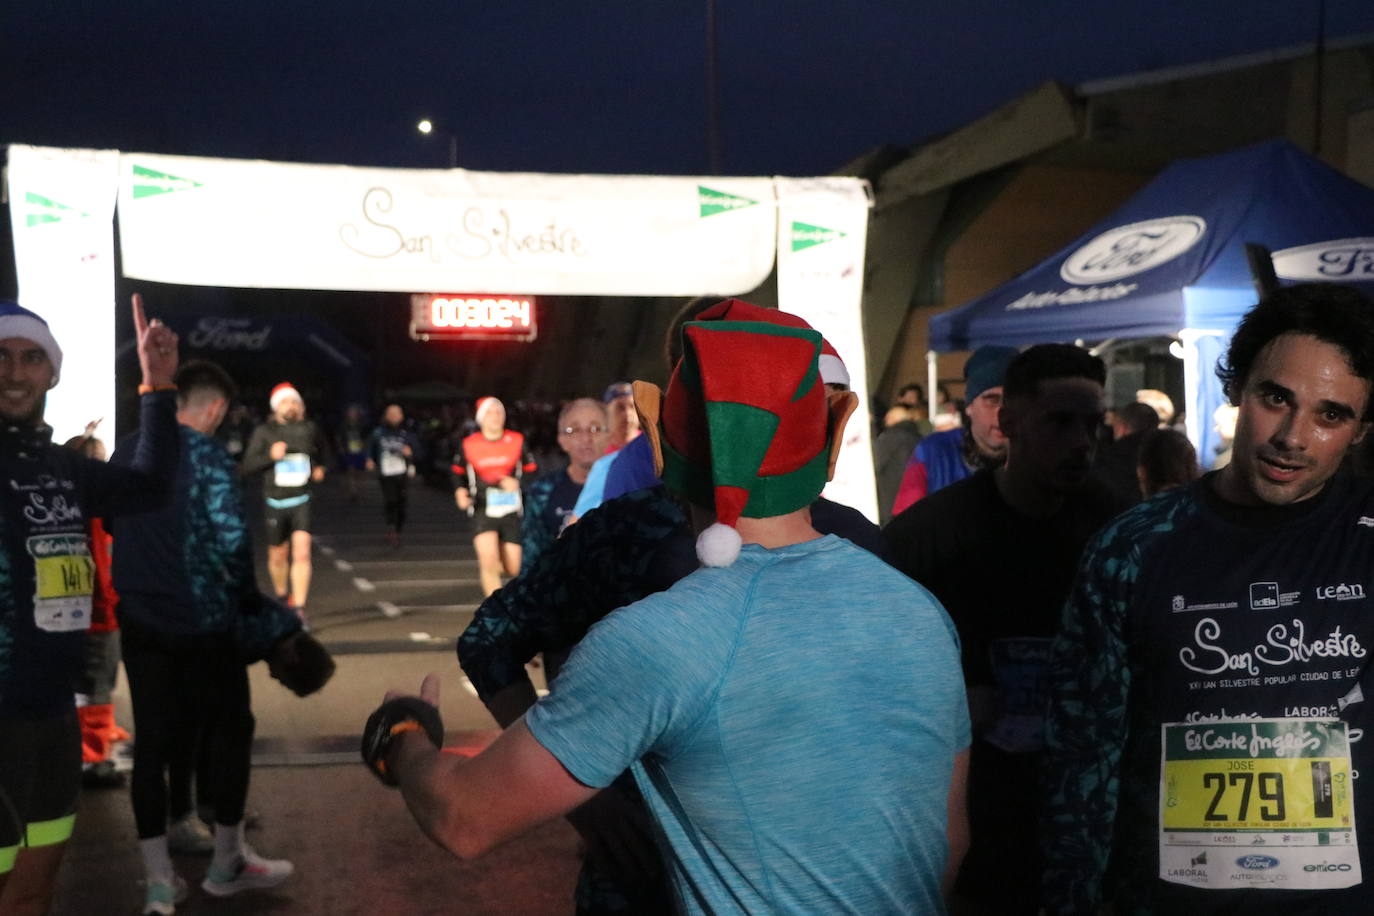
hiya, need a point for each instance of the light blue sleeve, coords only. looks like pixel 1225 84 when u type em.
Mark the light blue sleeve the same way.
pixel 595 487
pixel 643 680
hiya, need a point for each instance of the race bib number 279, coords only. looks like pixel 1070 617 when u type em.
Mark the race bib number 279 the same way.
pixel 1262 803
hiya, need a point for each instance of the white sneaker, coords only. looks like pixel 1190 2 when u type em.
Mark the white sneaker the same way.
pixel 163 897
pixel 189 836
pixel 253 872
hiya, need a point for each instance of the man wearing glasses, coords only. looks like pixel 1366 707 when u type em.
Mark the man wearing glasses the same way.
pixel 583 430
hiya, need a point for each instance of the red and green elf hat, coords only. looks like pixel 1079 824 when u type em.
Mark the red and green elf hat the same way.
pixel 745 420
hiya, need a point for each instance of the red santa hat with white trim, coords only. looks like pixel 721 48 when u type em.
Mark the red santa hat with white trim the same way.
pixel 282 392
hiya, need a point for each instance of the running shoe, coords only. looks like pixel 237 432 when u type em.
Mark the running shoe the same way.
pixel 252 873
pixel 163 897
pixel 190 837
pixel 101 775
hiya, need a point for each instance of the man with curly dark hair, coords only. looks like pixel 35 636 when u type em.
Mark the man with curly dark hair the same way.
pixel 1203 747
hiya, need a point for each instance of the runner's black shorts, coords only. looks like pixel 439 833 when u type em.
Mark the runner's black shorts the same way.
pixel 40 776
pixel 281 522
pixel 507 526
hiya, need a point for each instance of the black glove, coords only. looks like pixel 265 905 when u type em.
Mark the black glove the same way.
pixel 301 663
pixel 389 721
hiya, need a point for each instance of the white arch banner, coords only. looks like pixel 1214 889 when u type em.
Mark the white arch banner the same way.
pixel 822 228
pixel 227 222
pixel 239 223
pixel 62 215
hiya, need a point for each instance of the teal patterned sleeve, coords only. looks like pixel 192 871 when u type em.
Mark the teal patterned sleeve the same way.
pixel 1086 726
pixel 609 559
pixel 1090 682
pixel 535 533
pixel 225 499
pixel 218 550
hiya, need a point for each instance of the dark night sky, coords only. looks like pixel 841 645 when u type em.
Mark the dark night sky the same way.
pixel 609 87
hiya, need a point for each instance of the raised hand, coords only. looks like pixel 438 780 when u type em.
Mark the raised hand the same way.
pixel 157 347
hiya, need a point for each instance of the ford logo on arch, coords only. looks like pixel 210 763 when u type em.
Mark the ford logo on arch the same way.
pixel 1132 249
pixel 1257 863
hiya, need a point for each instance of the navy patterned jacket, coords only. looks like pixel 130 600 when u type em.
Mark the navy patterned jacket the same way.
pixel 47 494
pixel 187 569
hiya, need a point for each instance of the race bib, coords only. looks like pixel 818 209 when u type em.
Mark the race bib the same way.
pixel 292 471
pixel 501 503
pixel 393 465
pixel 1019 665
pixel 1263 803
pixel 355 446
pixel 64 578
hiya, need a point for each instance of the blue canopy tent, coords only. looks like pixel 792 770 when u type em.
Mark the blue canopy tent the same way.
pixel 1172 262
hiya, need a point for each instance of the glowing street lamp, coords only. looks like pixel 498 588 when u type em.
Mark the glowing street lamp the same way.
pixel 426 127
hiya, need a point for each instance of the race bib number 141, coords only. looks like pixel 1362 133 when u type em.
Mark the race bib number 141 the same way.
pixel 64 579
pixel 1264 803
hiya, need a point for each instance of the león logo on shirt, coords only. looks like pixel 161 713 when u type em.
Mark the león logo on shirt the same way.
pixel 1341 592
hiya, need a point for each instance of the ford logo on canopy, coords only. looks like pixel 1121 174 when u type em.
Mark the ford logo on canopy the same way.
pixel 1339 259
pixel 1132 249
pixel 1257 863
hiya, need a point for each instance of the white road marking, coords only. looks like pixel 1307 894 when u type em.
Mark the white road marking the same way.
pixel 436 562
pixel 327 551
pixel 388 609
pixel 432 608
pixel 363 585
pixel 343 566
pixel 416 583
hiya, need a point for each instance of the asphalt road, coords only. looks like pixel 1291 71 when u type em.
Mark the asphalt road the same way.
pixel 389 616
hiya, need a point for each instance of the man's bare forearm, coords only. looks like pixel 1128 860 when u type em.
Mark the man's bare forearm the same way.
pixel 431 782
pixel 469 806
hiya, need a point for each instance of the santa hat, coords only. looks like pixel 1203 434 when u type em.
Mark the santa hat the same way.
pixel 281 393
pixel 17 321
pixel 745 421
pixel 486 404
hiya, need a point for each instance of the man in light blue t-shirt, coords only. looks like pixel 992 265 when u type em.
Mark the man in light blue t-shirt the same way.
pixel 793 713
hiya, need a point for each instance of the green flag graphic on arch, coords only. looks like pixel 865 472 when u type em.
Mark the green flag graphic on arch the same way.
pixel 712 201
pixel 148 182
pixel 805 235
pixel 46 210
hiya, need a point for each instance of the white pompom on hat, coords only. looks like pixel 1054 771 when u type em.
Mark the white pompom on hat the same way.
pixel 17 321
pixel 282 392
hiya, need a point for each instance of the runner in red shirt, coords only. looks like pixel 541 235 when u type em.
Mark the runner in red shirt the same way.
pixel 488 468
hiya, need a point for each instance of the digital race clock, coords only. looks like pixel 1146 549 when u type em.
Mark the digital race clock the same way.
pixel 472 317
